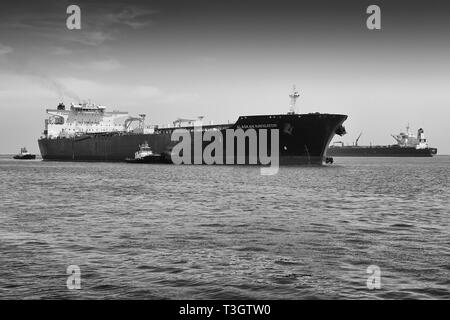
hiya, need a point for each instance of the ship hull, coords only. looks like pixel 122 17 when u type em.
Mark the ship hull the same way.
pixel 303 139
pixel 148 159
pixel 380 151
pixel 25 157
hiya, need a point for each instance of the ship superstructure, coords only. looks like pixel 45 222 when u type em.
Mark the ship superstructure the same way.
pixel 86 118
pixel 408 139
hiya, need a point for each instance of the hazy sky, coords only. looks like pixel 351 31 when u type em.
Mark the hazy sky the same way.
pixel 222 59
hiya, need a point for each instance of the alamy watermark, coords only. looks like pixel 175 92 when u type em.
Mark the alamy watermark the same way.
pixel 374 20
pixel 73 21
pixel 213 152
pixel 74 279
pixel 374 280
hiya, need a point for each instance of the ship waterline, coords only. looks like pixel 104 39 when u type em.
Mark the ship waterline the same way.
pixel 380 151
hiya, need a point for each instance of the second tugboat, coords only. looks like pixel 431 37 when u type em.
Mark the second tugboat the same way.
pixel 24 155
pixel 145 155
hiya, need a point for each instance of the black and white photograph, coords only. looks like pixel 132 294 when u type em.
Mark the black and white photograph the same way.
pixel 224 155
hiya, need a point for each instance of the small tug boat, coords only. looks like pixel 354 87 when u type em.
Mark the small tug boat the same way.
pixel 24 155
pixel 146 155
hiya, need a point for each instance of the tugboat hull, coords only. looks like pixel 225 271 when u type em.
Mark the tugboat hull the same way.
pixel 25 157
pixel 148 159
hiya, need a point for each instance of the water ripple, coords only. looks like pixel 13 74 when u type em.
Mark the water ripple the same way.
pixel 200 232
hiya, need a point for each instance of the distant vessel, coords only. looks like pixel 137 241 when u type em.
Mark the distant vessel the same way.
pixel 408 145
pixel 146 155
pixel 24 155
pixel 87 132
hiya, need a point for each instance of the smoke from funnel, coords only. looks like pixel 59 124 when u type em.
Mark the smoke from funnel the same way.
pixel 57 87
pixel 39 77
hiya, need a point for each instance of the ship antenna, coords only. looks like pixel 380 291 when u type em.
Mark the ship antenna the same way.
pixel 294 96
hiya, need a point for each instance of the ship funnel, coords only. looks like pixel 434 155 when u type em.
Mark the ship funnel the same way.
pixel 421 135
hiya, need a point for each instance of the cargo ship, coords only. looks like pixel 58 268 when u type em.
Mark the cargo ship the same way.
pixel 88 132
pixel 408 145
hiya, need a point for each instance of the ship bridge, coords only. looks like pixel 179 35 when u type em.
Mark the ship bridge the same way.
pixel 84 118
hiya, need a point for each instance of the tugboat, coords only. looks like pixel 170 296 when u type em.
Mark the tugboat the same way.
pixel 145 155
pixel 24 155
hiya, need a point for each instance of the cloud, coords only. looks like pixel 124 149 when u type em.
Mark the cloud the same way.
pixel 131 16
pixel 84 37
pixel 124 94
pixel 60 51
pixel 73 89
pixel 103 93
pixel 14 85
pixel 93 38
pixel 105 65
pixel 100 24
pixel 145 91
pixel 121 95
pixel 4 50
pixel 99 65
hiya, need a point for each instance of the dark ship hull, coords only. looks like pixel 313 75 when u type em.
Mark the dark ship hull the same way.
pixel 25 157
pixel 380 151
pixel 149 159
pixel 303 139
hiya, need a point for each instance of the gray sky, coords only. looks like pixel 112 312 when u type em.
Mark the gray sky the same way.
pixel 222 59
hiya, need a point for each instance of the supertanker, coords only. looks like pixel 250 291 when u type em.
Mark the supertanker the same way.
pixel 87 132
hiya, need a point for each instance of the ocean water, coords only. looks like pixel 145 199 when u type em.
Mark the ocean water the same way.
pixel 141 231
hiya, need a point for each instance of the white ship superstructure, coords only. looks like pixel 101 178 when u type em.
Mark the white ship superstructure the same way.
pixel 86 118
pixel 408 139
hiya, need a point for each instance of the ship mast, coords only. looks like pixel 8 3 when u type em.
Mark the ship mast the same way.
pixel 294 96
